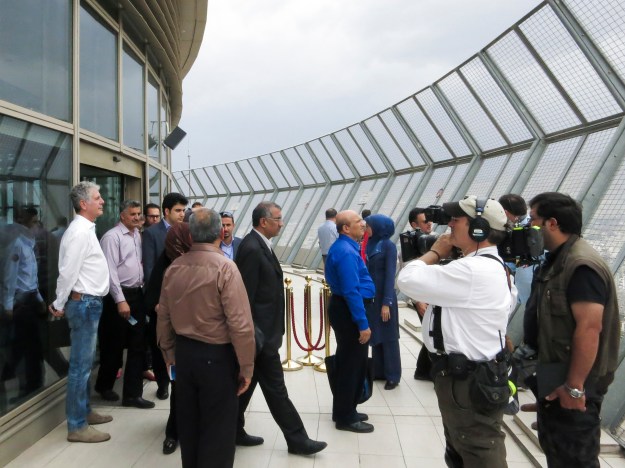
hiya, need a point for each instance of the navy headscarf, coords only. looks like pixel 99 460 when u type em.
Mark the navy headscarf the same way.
pixel 382 228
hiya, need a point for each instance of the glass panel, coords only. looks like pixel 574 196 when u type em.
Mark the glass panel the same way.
pixel 412 185
pixel 298 166
pixel 245 167
pixel 227 178
pixel 274 171
pixel 606 230
pixel 471 113
pixel 532 84
pixel 310 163
pixel 286 201
pixel 443 123
pixel 286 171
pixel 155 185
pixel 401 137
pixel 459 174
pixel 396 191
pixel 98 76
pixel 216 204
pixel 389 147
pixel 336 156
pixel 236 175
pixel 487 174
pixel 154 136
pixel 366 194
pixel 366 146
pixel 164 184
pixel 353 152
pixel 134 121
pixel 163 150
pixel 36 57
pixel 423 130
pixel 586 163
pixel 435 187
pixel 606 27
pixel 307 214
pixel 243 220
pixel 509 173
pixel 554 161
pixel 569 64
pixel 204 181
pixel 494 99
pixel 260 173
pixel 326 161
pixel 34 213
pixel 292 223
pixel 216 181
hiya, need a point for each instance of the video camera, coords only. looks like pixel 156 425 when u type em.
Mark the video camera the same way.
pixel 415 243
pixel 435 214
pixel 523 245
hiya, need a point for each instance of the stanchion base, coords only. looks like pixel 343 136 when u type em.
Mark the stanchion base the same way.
pixel 289 365
pixel 309 360
pixel 321 367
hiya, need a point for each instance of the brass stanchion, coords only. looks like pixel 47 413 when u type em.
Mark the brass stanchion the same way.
pixel 289 364
pixel 324 294
pixel 309 359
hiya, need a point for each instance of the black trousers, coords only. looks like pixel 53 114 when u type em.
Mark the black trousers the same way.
pixel 206 403
pixel 115 333
pixel 269 375
pixel 351 362
pixel 424 365
pixel 158 363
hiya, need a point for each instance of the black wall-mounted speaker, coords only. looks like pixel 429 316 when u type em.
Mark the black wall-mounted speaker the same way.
pixel 174 138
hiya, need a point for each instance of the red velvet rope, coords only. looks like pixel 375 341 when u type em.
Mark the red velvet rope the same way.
pixel 310 346
pixel 293 325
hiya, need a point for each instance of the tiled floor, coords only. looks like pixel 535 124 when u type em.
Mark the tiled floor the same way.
pixel 408 429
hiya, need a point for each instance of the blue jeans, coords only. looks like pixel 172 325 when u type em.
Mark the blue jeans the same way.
pixel 83 317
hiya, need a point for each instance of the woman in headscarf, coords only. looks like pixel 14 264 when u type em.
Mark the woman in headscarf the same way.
pixel 384 323
pixel 177 242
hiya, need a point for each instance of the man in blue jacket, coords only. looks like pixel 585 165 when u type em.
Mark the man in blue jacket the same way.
pixel 352 294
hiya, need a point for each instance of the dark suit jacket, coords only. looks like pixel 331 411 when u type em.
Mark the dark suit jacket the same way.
pixel 236 241
pixel 153 246
pixel 262 275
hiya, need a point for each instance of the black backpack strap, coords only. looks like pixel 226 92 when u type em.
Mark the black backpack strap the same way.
pixel 437 330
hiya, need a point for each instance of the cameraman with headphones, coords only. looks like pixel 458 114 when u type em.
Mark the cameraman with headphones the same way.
pixel 464 329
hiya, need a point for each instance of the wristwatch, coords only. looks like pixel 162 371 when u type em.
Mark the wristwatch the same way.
pixel 574 392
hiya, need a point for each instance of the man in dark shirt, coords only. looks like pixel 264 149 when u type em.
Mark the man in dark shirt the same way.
pixel 352 294
pixel 572 318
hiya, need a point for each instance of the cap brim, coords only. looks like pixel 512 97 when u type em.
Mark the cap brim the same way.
pixel 453 209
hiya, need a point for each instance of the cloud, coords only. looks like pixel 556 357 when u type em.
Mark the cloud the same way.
pixel 276 73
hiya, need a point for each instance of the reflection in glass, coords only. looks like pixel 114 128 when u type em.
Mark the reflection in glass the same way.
pixel 154 129
pixel 132 77
pixel 35 63
pixel 98 76
pixel 35 164
pixel 164 129
pixel 155 186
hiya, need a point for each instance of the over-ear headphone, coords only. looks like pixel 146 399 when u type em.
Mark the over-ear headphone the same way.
pixel 479 228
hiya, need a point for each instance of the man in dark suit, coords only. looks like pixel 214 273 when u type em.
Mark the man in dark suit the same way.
pixel 262 275
pixel 229 244
pixel 153 246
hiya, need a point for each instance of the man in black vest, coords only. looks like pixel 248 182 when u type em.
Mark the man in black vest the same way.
pixel 572 318
pixel 262 275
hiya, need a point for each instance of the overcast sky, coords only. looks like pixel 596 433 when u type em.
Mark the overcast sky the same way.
pixel 275 73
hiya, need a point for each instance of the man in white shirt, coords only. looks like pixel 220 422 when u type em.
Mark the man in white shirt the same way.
pixel 83 281
pixel 469 300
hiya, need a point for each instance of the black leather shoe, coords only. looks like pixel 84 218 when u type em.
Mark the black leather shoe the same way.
pixel 360 416
pixel 358 426
pixel 169 445
pixel 309 447
pixel 162 393
pixel 246 440
pixel 109 395
pixel 138 402
pixel 390 385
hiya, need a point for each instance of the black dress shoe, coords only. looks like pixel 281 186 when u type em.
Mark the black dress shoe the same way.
pixel 309 447
pixel 360 416
pixel 138 402
pixel 358 426
pixel 169 445
pixel 246 440
pixel 109 395
pixel 162 393
pixel 390 385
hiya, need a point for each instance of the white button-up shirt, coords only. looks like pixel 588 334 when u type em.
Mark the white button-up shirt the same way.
pixel 82 266
pixel 474 298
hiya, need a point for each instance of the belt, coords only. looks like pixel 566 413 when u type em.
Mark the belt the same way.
pixel 76 296
pixel 456 365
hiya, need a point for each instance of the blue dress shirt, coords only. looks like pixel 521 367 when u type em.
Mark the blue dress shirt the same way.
pixel 347 276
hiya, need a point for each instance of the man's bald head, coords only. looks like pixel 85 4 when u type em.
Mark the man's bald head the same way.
pixel 350 223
